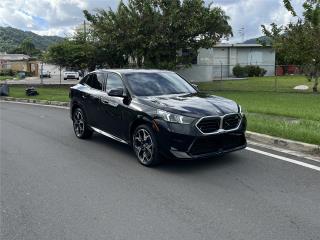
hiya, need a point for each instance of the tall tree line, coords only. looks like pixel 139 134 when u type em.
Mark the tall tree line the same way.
pixel 146 33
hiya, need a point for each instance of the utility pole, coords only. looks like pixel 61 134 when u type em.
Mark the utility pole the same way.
pixel 84 30
pixel 242 33
pixel 60 68
pixel 85 38
pixel 41 73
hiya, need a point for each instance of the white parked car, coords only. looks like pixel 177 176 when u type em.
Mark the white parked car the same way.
pixel 71 75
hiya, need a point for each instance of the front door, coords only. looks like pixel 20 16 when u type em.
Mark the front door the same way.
pixel 112 109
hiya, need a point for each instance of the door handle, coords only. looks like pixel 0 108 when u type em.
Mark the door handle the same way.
pixel 104 101
pixel 84 96
pixel 95 98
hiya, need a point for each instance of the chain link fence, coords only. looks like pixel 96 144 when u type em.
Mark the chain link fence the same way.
pixel 265 78
pixel 218 77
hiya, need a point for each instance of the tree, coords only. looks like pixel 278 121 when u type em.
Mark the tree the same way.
pixel 84 51
pixel 27 47
pixel 70 54
pixel 57 54
pixel 299 42
pixel 152 32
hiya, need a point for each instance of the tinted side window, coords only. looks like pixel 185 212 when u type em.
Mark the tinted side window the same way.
pixel 102 78
pixel 114 81
pixel 85 79
pixel 93 82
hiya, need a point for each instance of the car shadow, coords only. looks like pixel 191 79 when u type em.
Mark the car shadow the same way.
pixel 187 166
pixel 171 165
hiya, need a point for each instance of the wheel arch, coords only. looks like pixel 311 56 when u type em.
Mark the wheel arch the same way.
pixel 75 105
pixel 139 121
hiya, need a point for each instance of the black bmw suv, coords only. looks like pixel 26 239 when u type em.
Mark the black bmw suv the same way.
pixel 158 113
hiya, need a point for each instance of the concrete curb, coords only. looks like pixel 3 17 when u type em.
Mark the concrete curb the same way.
pixel 283 143
pixel 42 102
pixel 251 136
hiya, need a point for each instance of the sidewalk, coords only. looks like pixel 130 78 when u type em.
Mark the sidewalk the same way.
pixel 54 80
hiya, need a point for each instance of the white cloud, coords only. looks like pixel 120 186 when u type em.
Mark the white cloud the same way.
pixel 48 17
pixel 251 14
pixel 60 17
pixel 12 16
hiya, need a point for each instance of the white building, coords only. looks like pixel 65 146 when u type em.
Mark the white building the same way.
pixel 217 63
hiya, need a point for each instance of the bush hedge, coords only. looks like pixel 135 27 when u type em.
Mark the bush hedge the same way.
pixel 248 71
pixel 7 72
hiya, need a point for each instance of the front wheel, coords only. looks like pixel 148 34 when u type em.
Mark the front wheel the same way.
pixel 80 127
pixel 145 146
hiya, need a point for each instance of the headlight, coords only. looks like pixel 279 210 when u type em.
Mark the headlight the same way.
pixel 241 110
pixel 174 118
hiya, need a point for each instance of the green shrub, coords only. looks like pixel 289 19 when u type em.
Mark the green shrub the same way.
pixel 252 71
pixel 7 72
pixel 263 72
pixel 28 74
pixel 248 71
pixel 239 71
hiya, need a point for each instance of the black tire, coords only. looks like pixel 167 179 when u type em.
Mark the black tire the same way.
pixel 65 78
pixel 146 155
pixel 78 79
pixel 80 127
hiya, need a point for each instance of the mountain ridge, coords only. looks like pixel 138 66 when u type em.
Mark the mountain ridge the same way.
pixel 11 38
pixel 257 40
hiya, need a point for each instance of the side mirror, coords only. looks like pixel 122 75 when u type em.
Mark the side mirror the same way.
pixel 116 92
pixel 195 86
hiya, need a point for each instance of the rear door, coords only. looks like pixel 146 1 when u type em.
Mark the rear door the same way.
pixel 91 96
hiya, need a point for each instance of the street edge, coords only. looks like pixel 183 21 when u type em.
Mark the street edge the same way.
pixel 283 143
pixel 36 101
pixel 251 136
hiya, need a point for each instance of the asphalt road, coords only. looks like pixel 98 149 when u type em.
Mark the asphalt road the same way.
pixel 55 186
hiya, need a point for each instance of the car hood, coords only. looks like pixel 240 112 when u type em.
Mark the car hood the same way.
pixel 193 105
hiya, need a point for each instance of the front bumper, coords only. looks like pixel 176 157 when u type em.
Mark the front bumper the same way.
pixel 186 142
pixel 209 146
pixel 71 77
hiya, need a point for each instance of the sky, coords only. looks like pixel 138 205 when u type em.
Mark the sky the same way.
pixel 60 17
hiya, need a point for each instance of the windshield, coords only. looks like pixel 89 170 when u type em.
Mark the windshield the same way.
pixel 157 83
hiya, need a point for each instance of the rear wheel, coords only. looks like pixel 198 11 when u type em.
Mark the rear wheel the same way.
pixel 80 127
pixel 145 146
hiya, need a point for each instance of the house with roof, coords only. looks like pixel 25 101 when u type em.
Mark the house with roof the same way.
pixel 19 63
pixel 218 62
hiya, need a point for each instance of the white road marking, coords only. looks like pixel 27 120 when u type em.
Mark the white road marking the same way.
pixel 286 151
pixel 37 104
pixel 307 165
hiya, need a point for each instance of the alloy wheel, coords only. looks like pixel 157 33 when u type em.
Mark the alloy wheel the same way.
pixel 78 123
pixel 143 146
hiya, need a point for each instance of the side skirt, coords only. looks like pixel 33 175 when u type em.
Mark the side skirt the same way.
pixel 109 135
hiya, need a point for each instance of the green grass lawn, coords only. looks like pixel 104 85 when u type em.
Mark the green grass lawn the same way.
pixel 2 78
pixel 292 115
pixel 286 113
pixel 45 93
pixel 280 84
